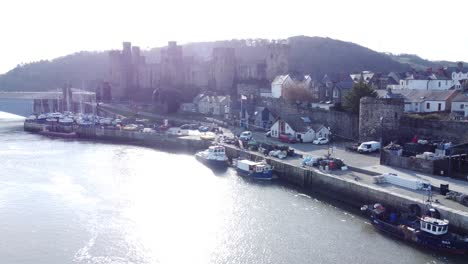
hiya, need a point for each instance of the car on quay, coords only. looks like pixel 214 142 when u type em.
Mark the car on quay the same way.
pixel 368 147
pixel 245 136
pixel 320 141
pixel 287 138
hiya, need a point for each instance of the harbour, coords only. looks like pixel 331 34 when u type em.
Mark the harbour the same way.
pixel 331 184
pixel 128 204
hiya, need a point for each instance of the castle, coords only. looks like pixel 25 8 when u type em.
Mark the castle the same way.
pixel 132 78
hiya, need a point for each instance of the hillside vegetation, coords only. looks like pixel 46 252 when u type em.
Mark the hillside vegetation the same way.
pixel 308 55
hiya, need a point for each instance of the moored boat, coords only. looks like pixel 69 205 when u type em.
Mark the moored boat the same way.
pixel 427 231
pixel 214 157
pixel 253 169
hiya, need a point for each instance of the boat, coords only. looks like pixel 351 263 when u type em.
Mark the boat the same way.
pixel 253 169
pixel 427 231
pixel 213 157
pixel 66 121
pixel 49 133
pixel 208 136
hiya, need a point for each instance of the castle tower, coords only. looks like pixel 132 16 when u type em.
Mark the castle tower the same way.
pixel 127 69
pixel 115 74
pixel 223 69
pixel 172 70
pixel 277 60
pixel 380 118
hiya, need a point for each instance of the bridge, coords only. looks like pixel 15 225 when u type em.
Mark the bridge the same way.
pixel 66 99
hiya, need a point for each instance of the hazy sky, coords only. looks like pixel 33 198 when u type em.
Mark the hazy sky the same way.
pixel 45 29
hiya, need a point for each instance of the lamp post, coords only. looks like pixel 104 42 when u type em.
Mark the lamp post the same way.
pixel 329 139
pixel 381 138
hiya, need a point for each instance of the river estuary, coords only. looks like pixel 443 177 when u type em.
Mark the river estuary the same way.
pixel 65 201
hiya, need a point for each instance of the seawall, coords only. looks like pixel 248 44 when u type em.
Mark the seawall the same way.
pixel 156 140
pixel 347 190
pixel 343 189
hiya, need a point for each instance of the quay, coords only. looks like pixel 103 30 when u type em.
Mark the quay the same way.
pixel 348 190
pixel 156 140
pixel 337 184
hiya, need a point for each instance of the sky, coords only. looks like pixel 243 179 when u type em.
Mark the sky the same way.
pixel 32 30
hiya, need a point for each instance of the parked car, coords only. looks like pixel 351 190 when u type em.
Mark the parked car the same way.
pixel 368 147
pixel 287 138
pixel 320 141
pixel 268 134
pixel 203 129
pixel 245 136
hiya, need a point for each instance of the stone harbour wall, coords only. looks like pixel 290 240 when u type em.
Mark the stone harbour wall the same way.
pixel 347 190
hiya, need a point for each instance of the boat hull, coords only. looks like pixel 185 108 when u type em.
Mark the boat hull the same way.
pixel 264 176
pixel 215 164
pixel 443 244
pixel 58 134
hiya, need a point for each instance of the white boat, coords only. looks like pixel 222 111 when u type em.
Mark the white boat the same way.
pixel 253 169
pixel 66 121
pixel 214 157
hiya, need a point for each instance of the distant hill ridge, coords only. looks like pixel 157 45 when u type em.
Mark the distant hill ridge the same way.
pixel 316 56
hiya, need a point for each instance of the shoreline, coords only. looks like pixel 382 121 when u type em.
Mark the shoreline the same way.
pixel 344 190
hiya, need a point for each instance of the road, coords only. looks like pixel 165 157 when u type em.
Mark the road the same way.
pixel 369 162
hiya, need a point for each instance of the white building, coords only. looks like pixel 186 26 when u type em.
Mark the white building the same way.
pixel 211 104
pixel 460 104
pixel 422 101
pixel 427 84
pixel 299 127
pixel 283 82
pixel 364 76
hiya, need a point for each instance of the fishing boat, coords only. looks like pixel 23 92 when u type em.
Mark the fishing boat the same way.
pixel 427 231
pixel 213 157
pixel 254 169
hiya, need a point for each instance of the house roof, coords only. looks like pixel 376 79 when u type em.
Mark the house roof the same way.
pixel 280 79
pixel 419 95
pixel 296 122
pixel 301 123
pixel 211 98
pixel 387 94
pixel 462 97
pixel 345 84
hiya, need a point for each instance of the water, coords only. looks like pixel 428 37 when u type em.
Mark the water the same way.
pixel 82 202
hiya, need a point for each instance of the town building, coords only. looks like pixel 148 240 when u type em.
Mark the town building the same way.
pixel 261 119
pixel 284 82
pixel 422 101
pixel 301 128
pixel 218 105
pixel 460 105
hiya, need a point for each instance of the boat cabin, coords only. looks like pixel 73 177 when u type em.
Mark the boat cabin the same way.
pixel 217 150
pixel 434 226
pixel 253 166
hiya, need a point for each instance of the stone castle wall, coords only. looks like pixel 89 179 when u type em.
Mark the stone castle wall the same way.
pixel 380 118
pixel 454 131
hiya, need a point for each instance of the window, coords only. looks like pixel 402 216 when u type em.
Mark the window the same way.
pixel 439 107
pixel 433 228
pixel 428 105
pixel 462 106
pixel 439 83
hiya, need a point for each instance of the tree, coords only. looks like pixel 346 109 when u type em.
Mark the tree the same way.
pixel 352 99
pixel 295 94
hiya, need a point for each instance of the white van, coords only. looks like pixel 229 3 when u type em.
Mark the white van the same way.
pixel 369 146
